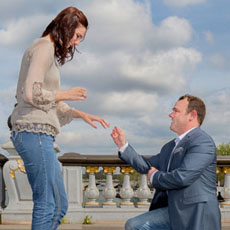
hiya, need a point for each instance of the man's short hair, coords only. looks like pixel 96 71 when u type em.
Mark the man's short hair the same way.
pixel 195 103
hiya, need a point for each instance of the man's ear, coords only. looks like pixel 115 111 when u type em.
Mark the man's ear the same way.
pixel 193 115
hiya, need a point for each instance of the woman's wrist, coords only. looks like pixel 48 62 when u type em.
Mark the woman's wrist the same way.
pixel 60 96
pixel 77 113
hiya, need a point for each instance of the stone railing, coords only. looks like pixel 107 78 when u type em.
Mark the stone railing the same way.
pixel 223 172
pixel 106 203
pixel 86 197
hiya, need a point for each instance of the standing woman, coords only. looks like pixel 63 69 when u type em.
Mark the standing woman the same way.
pixel 40 112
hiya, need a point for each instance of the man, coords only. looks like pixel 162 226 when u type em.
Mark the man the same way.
pixel 183 174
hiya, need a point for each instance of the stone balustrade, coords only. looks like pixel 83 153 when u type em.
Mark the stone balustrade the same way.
pixel 103 203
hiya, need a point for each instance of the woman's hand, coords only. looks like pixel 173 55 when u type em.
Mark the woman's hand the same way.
pixel 72 94
pixel 89 118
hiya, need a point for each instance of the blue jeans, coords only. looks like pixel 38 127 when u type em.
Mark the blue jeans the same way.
pixel 157 219
pixel 45 178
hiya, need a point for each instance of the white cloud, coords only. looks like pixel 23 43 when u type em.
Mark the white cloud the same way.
pixel 145 71
pixel 88 141
pixel 135 102
pixel 173 31
pixel 130 66
pixel 218 115
pixel 128 25
pixel 183 3
pixel 19 32
pixel 161 69
pixel 118 23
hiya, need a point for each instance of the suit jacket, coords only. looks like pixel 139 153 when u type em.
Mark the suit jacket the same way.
pixel 188 188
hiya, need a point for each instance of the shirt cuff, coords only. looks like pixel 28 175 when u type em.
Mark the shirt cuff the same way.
pixel 151 177
pixel 123 148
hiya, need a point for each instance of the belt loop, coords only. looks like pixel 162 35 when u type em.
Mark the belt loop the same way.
pixel 39 138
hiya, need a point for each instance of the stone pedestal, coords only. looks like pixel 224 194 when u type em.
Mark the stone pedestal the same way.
pixel 19 192
pixel 72 177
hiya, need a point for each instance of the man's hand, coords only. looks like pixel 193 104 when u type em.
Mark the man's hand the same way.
pixel 150 172
pixel 118 136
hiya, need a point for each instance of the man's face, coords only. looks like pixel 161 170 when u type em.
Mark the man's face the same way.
pixel 180 117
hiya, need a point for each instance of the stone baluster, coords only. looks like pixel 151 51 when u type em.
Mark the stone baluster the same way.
pixel 109 190
pixel 226 190
pixel 143 191
pixel 126 192
pixel 92 192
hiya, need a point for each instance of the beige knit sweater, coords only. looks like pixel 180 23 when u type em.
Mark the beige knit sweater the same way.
pixel 39 80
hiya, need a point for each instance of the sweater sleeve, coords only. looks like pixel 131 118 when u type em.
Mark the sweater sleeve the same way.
pixel 64 113
pixel 41 59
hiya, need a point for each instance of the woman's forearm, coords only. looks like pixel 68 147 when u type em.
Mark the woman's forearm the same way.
pixel 71 94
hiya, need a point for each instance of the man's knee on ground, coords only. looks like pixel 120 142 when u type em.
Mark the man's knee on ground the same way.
pixel 130 224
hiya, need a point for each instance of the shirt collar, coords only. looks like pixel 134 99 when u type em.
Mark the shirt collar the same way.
pixel 179 138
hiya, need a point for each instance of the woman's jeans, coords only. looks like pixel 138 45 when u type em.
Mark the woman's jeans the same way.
pixel 45 178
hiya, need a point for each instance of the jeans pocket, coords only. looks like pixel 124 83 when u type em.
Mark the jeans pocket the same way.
pixel 16 138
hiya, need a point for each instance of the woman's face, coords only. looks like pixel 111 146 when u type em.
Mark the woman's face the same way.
pixel 78 36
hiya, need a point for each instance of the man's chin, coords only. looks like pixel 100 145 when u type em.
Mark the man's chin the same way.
pixel 171 128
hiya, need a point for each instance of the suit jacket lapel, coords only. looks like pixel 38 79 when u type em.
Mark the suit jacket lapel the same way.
pixel 186 138
pixel 169 153
pixel 181 144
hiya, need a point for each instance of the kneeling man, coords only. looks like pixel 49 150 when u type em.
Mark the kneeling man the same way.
pixel 183 174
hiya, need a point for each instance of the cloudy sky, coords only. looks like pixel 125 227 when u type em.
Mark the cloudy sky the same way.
pixel 137 59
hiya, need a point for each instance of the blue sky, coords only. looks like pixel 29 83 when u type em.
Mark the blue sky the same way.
pixel 137 59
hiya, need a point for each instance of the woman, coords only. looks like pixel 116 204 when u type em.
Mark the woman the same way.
pixel 40 112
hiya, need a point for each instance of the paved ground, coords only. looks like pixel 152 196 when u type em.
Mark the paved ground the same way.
pixel 107 226
pixel 111 226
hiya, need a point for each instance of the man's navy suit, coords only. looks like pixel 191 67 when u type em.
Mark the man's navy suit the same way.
pixel 186 183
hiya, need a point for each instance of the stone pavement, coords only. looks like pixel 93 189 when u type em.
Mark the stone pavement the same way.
pixel 102 226
pixel 96 226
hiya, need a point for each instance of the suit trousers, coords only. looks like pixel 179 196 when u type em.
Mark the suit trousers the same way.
pixel 157 219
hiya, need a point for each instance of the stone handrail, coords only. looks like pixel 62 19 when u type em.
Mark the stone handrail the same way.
pixel 76 159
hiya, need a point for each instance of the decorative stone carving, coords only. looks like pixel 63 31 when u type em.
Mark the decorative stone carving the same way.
pixel 20 166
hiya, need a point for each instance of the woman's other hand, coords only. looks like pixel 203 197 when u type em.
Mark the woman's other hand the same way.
pixel 90 118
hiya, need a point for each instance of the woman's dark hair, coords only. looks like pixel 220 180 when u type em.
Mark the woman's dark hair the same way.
pixel 61 30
